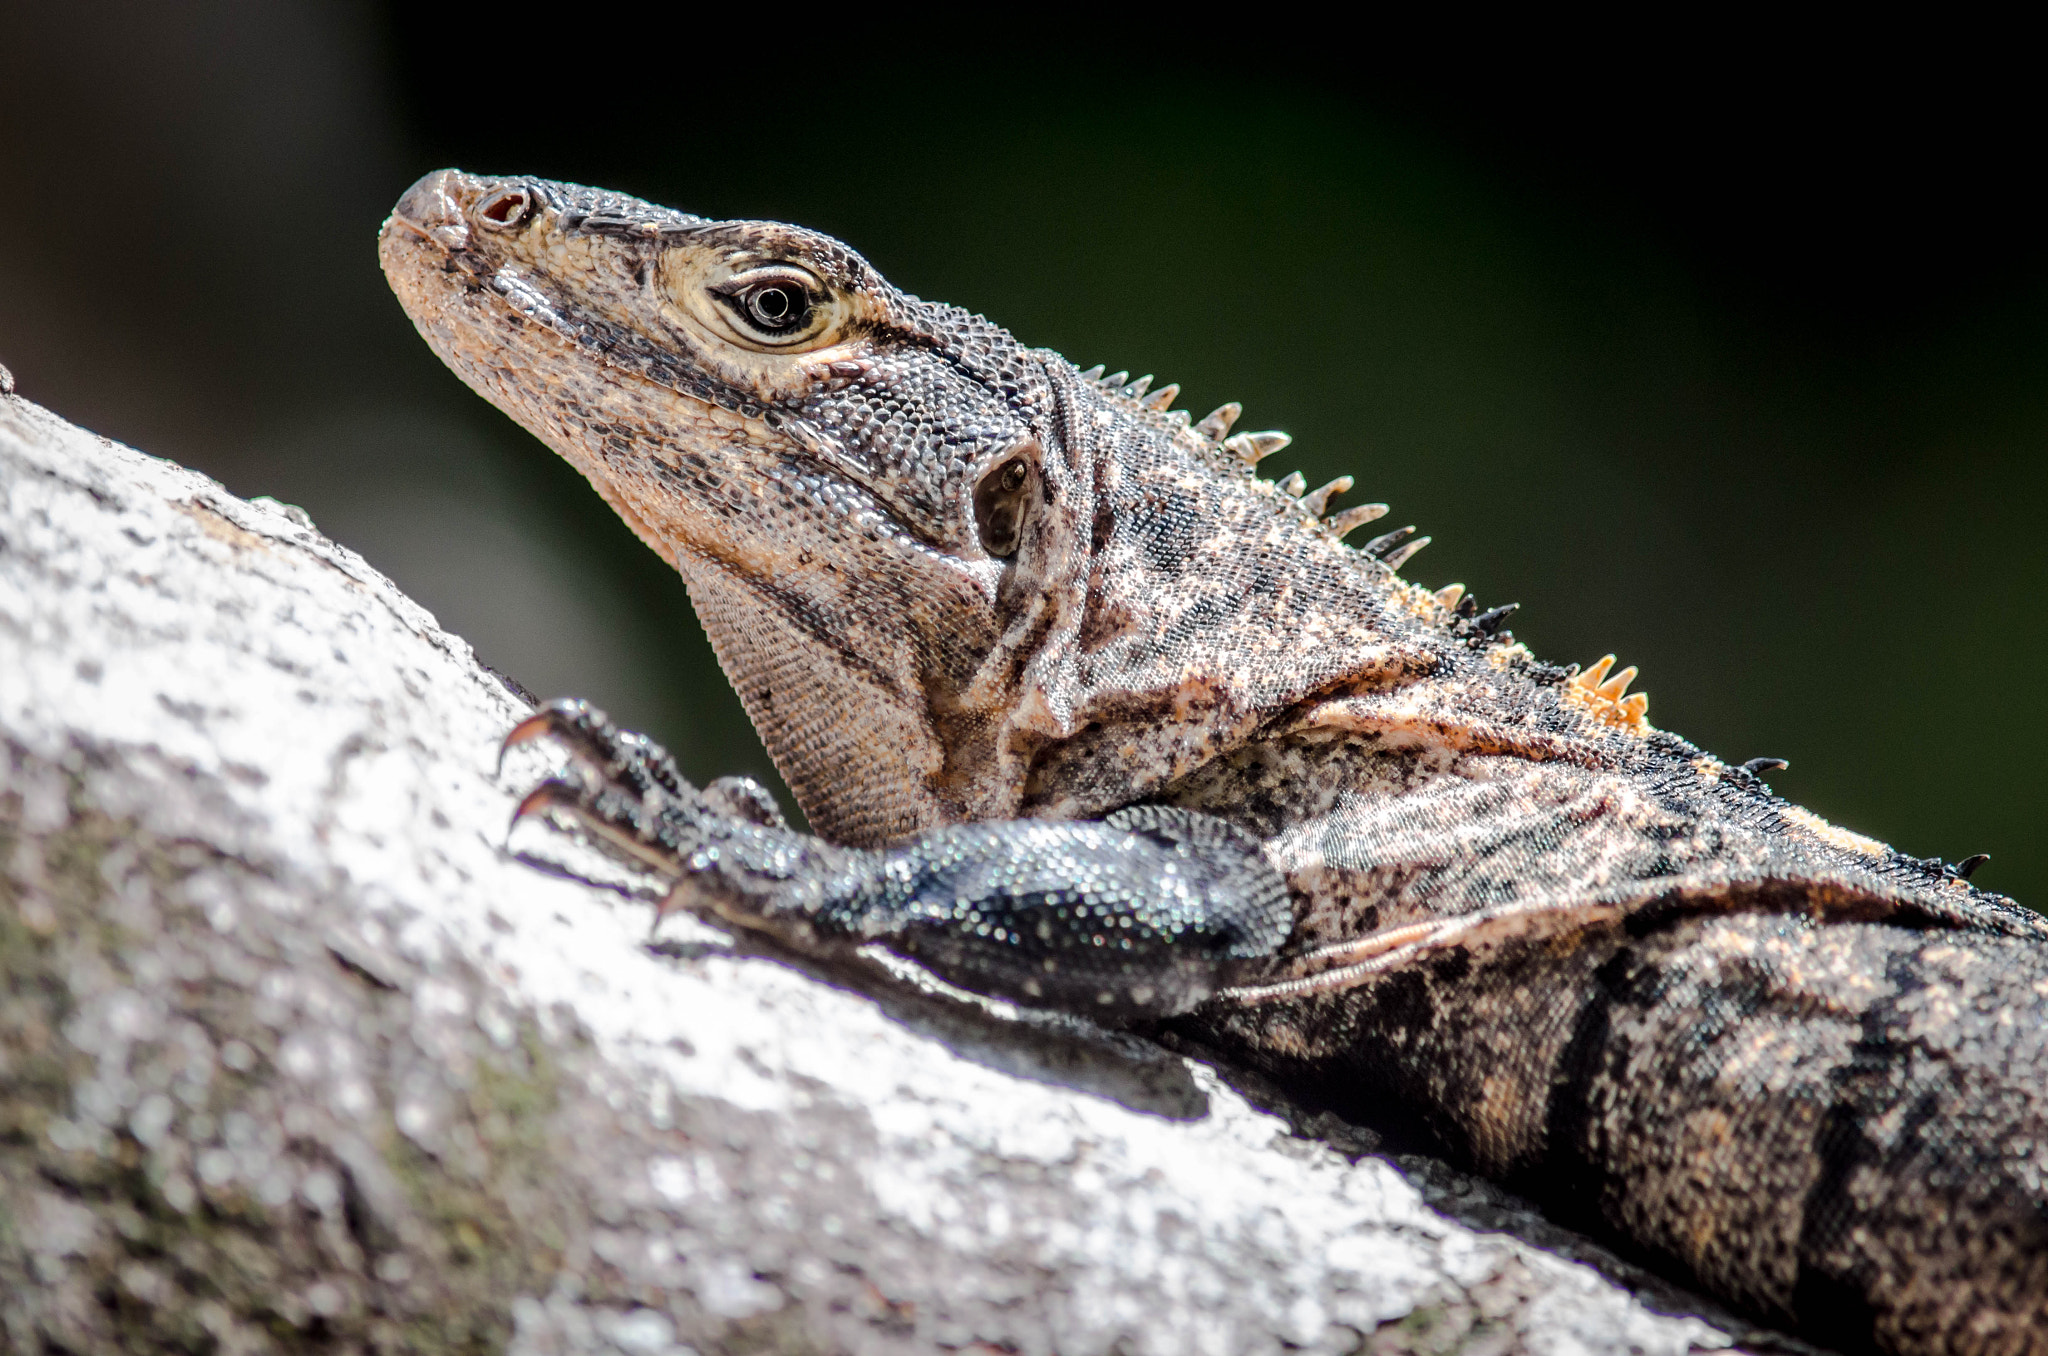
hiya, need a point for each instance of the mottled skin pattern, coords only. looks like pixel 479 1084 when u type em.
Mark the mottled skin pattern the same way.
pixel 965 589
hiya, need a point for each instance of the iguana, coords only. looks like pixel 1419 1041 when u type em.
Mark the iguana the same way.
pixel 1087 714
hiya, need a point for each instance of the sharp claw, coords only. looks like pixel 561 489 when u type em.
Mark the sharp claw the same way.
pixel 612 775
pixel 567 718
pixel 549 795
pixel 671 902
pixel 535 726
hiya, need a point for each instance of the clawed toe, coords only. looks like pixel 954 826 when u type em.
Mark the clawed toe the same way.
pixel 581 728
pixel 619 821
pixel 623 790
pixel 600 750
pixel 553 794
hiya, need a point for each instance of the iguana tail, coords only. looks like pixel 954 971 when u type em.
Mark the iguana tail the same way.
pixel 1842 1125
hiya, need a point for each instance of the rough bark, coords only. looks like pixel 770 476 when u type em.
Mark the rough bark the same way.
pixel 294 1054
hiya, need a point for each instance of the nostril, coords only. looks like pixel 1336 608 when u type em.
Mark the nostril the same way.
pixel 505 209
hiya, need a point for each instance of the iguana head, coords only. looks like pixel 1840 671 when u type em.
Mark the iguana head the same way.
pixel 952 578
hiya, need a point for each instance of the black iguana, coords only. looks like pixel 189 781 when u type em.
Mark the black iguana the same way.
pixel 1087 714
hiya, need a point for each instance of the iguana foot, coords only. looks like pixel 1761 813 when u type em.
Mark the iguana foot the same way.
pixel 1141 914
pixel 625 789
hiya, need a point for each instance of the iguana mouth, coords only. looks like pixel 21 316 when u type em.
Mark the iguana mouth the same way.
pixel 436 211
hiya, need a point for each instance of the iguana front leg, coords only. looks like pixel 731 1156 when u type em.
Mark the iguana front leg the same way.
pixel 1142 914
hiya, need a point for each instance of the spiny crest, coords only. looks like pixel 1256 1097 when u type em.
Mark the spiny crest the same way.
pixel 1215 425
pixel 1393 550
pixel 1460 610
pixel 1159 401
pixel 1253 448
pixel 1342 523
pixel 1315 501
pixel 1602 696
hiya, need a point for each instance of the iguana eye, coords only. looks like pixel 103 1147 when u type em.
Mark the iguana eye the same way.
pixel 1001 503
pixel 777 304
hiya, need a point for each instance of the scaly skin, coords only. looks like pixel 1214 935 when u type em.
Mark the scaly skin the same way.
pixel 958 582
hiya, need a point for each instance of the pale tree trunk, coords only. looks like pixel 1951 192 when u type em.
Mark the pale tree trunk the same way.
pixel 294 1055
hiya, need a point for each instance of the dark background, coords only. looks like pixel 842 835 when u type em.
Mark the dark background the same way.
pixel 1733 364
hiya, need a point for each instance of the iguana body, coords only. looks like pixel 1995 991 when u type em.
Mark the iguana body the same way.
pixel 1088 714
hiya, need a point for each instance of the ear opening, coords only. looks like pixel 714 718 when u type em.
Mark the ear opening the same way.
pixel 1003 500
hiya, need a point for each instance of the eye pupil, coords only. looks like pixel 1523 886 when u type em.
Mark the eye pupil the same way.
pixel 778 306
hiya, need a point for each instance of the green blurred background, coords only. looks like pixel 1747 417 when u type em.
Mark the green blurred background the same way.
pixel 1739 371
